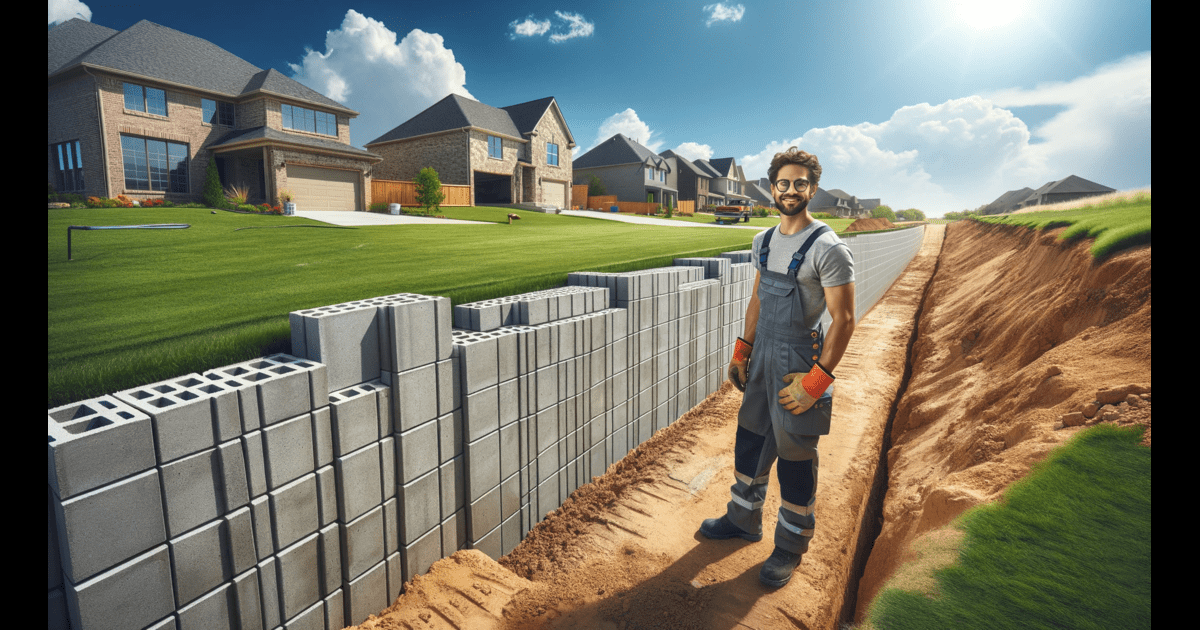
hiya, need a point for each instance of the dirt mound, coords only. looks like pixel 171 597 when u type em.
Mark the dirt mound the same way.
pixel 869 225
pixel 1019 330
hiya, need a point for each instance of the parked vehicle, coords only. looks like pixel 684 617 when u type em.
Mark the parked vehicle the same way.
pixel 732 214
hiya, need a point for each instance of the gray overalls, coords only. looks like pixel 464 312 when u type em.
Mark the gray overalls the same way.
pixel 767 431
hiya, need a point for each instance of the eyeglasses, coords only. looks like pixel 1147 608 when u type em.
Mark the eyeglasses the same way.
pixel 800 185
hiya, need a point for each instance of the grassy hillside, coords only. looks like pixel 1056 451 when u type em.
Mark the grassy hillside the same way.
pixel 1115 225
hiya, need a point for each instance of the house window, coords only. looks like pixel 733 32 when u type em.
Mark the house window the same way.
pixel 495 148
pixel 304 119
pixel 552 153
pixel 155 164
pixel 217 112
pixel 69 166
pixel 662 176
pixel 145 99
pixel 649 173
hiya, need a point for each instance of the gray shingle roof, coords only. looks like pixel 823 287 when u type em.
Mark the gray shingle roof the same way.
pixel 707 168
pixel 1074 184
pixel 618 150
pixel 722 166
pixel 241 136
pixel 157 52
pixel 456 111
pixel 685 163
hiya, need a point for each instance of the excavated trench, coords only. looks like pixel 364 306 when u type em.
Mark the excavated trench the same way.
pixel 962 372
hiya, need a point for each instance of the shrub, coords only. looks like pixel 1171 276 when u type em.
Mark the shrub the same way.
pixel 237 194
pixel 285 196
pixel 823 215
pixel 212 194
pixel 883 212
pixel 429 190
pixel 379 207
pixel 596 187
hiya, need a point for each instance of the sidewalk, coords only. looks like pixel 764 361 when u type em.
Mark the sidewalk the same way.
pixel 376 218
pixel 612 216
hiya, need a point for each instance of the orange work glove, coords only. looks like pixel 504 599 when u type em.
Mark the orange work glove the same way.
pixel 802 393
pixel 739 365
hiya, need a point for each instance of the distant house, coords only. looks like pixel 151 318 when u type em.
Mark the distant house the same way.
pixel 139 112
pixel 1008 202
pixel 630 171
pixel 1068 188
pixel 758 194
pixel 520 154
pixel 727 181
pixel 840 204
pixel 694 183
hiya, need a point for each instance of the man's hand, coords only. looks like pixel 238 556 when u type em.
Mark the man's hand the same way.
pixel 801 394
pixel 739 365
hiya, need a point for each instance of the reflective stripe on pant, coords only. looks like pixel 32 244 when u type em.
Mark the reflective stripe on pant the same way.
pixel 753 456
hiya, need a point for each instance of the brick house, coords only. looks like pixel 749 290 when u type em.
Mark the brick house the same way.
pixel 520 154
pixel 139 112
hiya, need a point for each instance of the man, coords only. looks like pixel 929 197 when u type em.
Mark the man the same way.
pixel 803 268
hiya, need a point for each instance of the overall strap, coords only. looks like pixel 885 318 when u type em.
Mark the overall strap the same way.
pixel 765 249
pixel 798 257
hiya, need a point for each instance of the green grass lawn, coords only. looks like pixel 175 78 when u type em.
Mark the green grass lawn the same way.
pixel 1115 225
pixel 1067 547
pixel 136 307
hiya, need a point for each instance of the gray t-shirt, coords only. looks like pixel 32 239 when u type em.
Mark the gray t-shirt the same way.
pixel 828 263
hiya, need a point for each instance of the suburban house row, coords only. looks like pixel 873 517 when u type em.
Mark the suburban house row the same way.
pixel 141 112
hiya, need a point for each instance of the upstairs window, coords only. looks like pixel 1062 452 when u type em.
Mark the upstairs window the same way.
pixel 662 176
pixel 145 99
pixel 217 112
pixel 69 173
pixel 495 147
pixel 552 153
pixel 304 119
pixel 650 173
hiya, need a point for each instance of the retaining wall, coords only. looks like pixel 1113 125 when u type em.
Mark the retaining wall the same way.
pixel 302 491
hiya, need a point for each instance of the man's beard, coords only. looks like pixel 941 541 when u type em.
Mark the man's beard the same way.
pixel 791 213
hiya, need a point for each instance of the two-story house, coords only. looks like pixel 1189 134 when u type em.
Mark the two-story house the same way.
pixel 630 171
pixel 727 180
pixel 520 154
pixel 693 182
pixel 140 112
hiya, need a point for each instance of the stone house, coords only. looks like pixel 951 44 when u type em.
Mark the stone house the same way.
pixel 139 112
pixel 630 171
pixel 520 154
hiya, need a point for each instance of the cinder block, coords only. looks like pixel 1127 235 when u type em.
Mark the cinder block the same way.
pixel 417 451
pixel 289 450
pixel 454 533
pixel 247 609
pixel 247 397
pixel 418 556
pixel 387 464
pixel 238 540
pixel 213 610
pixel 395 574
pixel 354 413
pixel 478 360
pixel 366 595
pixel 182 418
pixel 483 515
pixel 311 618
pixel 358 481
pixel 96 442
pixel 264 531
pixel 414 396
pixel 256 463
pixel 419 513
pixel 335 614
pixel 130 595
pixel 362 543
pixel 452 479
pixel 327 501
pixel 236 490
pixel 417 331
pixel 344 337
pixel 268 583
pixel 298 569
pixel 449 386
pixel 483 465
pixel 322 436
pixel 490 544
pixel 330 549
pixel 192 491
pixel 294 510
pixel 287 386
pixel 450 436
pixel 481 413
pixel 391 527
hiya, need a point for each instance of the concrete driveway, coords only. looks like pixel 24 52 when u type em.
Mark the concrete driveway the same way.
pixel 375 218
pixel 611 216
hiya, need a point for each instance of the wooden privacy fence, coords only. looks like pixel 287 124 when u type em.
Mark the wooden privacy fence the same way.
pixel 579 197
pixel 405 193
pixel 637 207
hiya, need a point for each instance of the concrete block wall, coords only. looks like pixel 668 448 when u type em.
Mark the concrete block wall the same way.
pixel 303 490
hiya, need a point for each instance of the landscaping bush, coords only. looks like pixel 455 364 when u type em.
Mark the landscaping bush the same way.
pixel 212 194
pixel 883 212
pixel 429 190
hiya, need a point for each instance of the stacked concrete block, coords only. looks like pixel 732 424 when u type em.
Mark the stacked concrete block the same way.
pixel 533 308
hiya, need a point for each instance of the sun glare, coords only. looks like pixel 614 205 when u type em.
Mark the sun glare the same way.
pixel 986 14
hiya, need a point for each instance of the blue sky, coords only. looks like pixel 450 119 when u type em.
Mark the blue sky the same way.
pixel 934 104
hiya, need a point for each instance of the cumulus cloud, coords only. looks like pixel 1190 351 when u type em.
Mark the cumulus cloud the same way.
pixel 528 27
pixel 569 26
pixel 694 151
pixel 63 10
pixel 965 152
pixel 387 82
pixel 628 124
pixel 721 12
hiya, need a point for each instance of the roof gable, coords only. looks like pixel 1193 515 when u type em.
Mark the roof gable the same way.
pixel 1076 184
pixel 71 39
pixel 455 111
pixel 618 150
pixel 724 166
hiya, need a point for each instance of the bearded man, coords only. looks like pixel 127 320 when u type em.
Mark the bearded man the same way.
pixel 784 364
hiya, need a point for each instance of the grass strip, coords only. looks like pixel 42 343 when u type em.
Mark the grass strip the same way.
pixel 1115 225
pixel 1067 547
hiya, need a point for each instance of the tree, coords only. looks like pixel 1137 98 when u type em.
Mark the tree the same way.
pixel 883 212
pixel 912 214
pixel 429 190
pixel 596 187
pixel 214 194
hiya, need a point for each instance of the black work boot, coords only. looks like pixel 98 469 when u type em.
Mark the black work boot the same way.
pixel 777 570
pixel 721 528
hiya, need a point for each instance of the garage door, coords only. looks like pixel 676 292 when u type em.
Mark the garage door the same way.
pixel 323 188
pixel 554 193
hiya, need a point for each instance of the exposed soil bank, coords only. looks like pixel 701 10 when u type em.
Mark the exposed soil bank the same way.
pixel 623 551
pixel 1017 331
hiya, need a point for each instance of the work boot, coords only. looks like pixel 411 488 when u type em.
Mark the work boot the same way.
pixel 721 528
pixel 777 570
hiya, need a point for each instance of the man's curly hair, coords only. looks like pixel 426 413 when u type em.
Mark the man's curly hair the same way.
pixel 795 156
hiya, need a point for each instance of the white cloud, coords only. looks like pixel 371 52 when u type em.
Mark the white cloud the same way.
pixel 63 10
pixel 721 12
pixel 628 124
pixel 386 82
pixel 528 27
pixel 965 152
pixel 694 151
pixel 570 26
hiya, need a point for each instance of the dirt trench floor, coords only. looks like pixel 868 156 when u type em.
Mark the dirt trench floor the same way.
pixel 623 552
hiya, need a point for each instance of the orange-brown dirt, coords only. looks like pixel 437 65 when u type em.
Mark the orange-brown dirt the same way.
pixel 868 225
pixel 1019 332
pixel 623 551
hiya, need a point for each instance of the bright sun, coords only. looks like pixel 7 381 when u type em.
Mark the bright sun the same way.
pixel 987 14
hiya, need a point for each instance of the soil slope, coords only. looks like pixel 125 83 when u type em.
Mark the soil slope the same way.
pixel 1018 330
pixel 623 552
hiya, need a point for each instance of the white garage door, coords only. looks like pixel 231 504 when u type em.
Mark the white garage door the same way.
pixel 554 193
pixel 323 188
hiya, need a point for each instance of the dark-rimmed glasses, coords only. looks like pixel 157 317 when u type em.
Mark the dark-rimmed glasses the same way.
pixel 800 185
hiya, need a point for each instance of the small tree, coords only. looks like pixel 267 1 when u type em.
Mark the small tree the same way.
pixel 429 190
pixel 883 212
pixel 214 194
pixel 912 214
pixel 596 187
